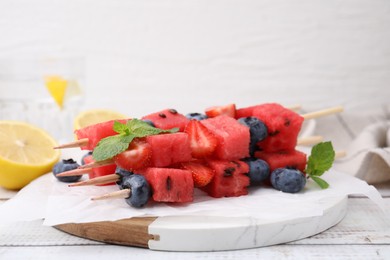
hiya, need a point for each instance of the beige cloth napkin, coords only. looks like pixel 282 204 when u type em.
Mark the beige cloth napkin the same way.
pixel 368 156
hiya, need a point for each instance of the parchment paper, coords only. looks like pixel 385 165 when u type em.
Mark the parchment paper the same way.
pixel 56 203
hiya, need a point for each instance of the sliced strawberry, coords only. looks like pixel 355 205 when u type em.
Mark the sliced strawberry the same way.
pixel 137 156
pixel 228 110
pixel 201 174
pixel 202 141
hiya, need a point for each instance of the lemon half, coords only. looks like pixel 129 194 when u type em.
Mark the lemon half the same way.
pixel 26 152
pixel 94 116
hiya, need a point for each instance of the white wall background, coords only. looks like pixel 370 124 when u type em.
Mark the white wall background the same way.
pixel 143 56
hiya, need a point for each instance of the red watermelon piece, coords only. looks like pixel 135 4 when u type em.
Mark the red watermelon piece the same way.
pixel 227 110
pixel 170 185
pixel 230 179
pixel 168 149
pixel 233 137
pixel 96 132
pixel 293 159
pixel 168 119
pixel 283 127
pixel 245 112
pixel 99 171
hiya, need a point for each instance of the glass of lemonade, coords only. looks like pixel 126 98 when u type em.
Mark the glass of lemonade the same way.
pixel 46 91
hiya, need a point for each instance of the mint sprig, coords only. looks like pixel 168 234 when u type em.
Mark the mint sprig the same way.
pixel 320 160
pixel 112 145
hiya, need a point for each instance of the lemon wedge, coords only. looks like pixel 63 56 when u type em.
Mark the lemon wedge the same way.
pixel 57 86
pixel 26 152
pixel 94 116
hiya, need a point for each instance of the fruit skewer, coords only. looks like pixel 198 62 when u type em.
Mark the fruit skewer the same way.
pixel 316 114
pixel 87 168
pixel 101 180
pixel 135 190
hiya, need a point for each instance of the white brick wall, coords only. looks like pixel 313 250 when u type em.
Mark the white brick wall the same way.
pixel 147 55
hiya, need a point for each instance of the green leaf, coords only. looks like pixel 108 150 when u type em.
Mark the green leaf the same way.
pixel 111 146
pixel 321 182
pixel 321 159
pixel 120 128
pixel 140 128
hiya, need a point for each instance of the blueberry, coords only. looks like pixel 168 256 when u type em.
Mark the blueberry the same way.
pixel 149 122
pixel 63 166
pixel 122 173
pixel 258 170
pixel 288 180
pixel 196 116
pixel 140 190
pixel 85 155
pixel 257 129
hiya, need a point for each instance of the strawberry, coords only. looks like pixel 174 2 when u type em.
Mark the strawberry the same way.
pixel 137 156
pixel 201 174
pixel 202 141
pixel 228 110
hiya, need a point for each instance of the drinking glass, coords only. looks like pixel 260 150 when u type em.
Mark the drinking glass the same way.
pixel 46 91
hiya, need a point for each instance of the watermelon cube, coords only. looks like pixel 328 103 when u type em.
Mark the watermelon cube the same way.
pixel 168 119
pixel 100 171
pixel 170 185
pixel 245 112
pixel 283 127
pixel 96 132
pixel 230 179
pixel 283 159
pixel 233 137
pixel 168 149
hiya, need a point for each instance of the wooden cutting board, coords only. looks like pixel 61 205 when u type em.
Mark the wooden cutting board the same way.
pixel 209 233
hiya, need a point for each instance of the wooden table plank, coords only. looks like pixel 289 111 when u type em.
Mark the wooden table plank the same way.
pixel 353 252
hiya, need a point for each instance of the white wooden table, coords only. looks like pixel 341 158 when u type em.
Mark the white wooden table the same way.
pixel 364 233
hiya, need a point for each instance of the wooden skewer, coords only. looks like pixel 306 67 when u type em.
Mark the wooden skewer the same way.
pixel 340 154
pixel 315 139
pixel 96 164
pixel 98 180
pixel 121 194
pixel 78 143
pixel 324 112
pixel 75 172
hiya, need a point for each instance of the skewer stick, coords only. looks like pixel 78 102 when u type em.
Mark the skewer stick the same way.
pixel 96 164
pixel 315 139
pixel 98 180
pixel 75 172
pixel 78 143
pixel 121 194
pixel 324 112
pixel 340 154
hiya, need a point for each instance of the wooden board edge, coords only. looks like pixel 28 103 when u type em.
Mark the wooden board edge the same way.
pixel 129 232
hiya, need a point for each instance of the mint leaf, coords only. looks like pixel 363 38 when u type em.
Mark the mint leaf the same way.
pixel 141 129
pixel 120 128
pixel 322 183
pixel 112 145
pixel 320 160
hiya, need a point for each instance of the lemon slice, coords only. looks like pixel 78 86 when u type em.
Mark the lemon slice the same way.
pixel 56 86
pixel 26 152
pixel 94 116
